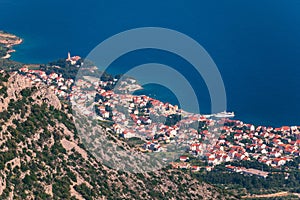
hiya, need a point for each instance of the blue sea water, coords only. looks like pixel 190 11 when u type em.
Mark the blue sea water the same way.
pixel 255 44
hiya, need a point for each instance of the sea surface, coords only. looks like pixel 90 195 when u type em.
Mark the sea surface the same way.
pixel 255 44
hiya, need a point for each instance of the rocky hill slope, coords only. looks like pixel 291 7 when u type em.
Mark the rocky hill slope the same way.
pixel 41 156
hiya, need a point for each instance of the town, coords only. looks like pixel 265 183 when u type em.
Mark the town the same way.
pixel 210 140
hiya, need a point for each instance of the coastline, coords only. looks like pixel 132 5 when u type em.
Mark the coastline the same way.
pixel 14 40
pixel 8 40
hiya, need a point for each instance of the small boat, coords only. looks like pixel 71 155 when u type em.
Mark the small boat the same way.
pixel 224 114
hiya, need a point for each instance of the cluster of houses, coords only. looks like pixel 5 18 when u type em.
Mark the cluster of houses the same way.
pixel 55 81
pixel 144 117
pixel 271 146
pixel 236 140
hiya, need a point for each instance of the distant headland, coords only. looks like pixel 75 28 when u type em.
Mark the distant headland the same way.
pixel 7 41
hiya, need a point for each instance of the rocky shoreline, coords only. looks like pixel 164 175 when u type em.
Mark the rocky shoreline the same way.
pixel 7 41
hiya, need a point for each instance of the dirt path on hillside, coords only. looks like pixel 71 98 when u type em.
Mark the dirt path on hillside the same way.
pixel 278 194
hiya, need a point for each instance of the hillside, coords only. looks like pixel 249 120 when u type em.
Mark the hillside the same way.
pixel 41 156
